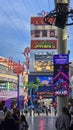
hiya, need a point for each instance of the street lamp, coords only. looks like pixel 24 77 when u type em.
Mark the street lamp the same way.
pixel 17 69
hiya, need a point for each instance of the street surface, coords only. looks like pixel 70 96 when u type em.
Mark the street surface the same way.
pixel 41 122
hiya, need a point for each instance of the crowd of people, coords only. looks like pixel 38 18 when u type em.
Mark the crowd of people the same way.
pixel 13 120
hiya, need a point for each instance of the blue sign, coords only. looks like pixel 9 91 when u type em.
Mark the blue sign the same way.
pixel 61 59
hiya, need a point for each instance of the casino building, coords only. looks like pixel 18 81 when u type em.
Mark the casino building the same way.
pixel 8 84
pixel 42 48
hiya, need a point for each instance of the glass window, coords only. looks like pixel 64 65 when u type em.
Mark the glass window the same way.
pixel 44 33
pixel 52 33
pixel 32 32
pixel 37 33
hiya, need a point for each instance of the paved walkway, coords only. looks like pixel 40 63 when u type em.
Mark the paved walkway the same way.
pixel 42 122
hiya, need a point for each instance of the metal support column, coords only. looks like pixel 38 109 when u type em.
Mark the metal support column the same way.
pixel 18 92
pixel 62 49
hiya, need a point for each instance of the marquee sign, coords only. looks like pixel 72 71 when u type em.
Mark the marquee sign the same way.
pixel 44 44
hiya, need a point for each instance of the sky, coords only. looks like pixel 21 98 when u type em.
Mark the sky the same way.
pixel 15 26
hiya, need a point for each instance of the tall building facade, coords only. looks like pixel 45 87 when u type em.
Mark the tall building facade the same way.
pixel 43 46
pixel 8 84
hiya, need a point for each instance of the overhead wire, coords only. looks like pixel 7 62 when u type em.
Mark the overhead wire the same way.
pixel 49 4
pixel 14 9
pixel 27 12
pixel 15 12
pixel 9 18
pixel 36 7
pixel 30 9
pixel 42 7
pixel 39 5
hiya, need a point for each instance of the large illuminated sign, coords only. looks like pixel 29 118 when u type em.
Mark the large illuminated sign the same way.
pixel 42 61
pixel 61 59
pixel 46 56
pixel 43 44
pixel 6 94
pixel 61 75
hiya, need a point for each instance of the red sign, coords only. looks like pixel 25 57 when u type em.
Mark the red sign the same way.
pixel 43 44
pixel 39 20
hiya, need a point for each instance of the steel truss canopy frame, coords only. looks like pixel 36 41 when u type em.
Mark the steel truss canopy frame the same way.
pixel 59 16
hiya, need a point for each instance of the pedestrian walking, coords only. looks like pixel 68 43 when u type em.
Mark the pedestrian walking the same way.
pixel 69 115
pixel 16 116
pixel 63 120
pixel 71 109
pixel 8 123
pixel 23 125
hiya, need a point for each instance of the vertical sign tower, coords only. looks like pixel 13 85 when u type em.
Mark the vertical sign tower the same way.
pixel 61 75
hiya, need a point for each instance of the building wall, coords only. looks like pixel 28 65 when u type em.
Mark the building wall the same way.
pixel 8 81
pixel 42 48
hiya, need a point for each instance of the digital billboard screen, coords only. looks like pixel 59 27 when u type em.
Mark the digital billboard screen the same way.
pixel 45 80
pixel 44 56
pixel 46 90
pixel 41 61
pixel 61 76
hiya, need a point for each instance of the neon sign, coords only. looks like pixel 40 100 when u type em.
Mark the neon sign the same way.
pixel 61 75
pixel 44 44
pixel 61 59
